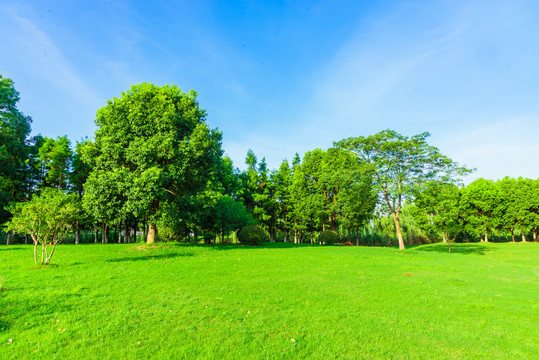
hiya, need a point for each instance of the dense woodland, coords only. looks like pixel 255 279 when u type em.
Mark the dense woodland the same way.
pixel 155 171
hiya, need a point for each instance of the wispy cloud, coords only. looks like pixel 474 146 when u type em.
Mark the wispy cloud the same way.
pixel 37 53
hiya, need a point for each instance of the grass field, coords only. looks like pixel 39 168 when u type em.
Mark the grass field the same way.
pixel 277 301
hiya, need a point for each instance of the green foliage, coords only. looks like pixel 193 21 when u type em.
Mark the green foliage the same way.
pixel 328 237
pixel 55 160
pixel 252 235
pixel 436 208
pixel 479 204
pixel 47 218
pixel 152 148
pixel 14 130
pixel 401 166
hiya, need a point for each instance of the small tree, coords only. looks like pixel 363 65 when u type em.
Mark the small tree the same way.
pixel 47 218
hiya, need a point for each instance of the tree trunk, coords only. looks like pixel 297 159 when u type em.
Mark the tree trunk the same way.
pixel 311 237
pixel 96 234
pixel 35 248
pixel 47 261
pixel 357 237
pixel 77 233
pixel 103 232
pixel 118 229
pixel 152 233
pixel 444 238
pixel 135 231
pixel 534 235
pixel 399 233
pixel 127 232
pixel 25 239
pixel 486 236
pixel 8 239
pixel 145 233
pixel 523 236
pixel 512 234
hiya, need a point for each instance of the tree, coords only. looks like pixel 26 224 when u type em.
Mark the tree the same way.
pixel 281 182
pixel 401 166
pixel 14 130
pixel 480 203
pixel 47 218
pixel 156 142
pixel 55 161
pixel 436 207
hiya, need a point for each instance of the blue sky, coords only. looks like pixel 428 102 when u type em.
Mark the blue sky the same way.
pixel 285 77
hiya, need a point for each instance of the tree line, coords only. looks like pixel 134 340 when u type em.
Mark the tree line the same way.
pixel 156 171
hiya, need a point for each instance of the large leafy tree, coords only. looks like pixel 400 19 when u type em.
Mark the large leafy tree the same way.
pixel 14 130
pixel 402 166
pixel 156 143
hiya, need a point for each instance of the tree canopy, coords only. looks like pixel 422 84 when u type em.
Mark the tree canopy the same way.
pixel 153 145
pixel 402 166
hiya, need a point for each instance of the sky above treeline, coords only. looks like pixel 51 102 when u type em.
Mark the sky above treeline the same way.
pixel 281 77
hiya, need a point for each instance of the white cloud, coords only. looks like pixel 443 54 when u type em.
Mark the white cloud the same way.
pixel 34 54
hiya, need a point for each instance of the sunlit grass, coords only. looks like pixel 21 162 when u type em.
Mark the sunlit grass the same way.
pixel 276 301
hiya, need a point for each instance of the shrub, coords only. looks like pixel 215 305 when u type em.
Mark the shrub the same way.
pixel 252 235
pixel 328 237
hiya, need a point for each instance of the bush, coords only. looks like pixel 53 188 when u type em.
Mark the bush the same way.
pixel 329 237
pixel 252 235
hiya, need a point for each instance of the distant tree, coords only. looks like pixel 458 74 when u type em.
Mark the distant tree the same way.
pixel 231 215
pixel 80 169
pixel 511 204
pixel 154 141
pixel 401 166
pixel 281 182
pixel 436 208
pixel 480 204
pixel 265 210
pixel 55 161
pixel 47 218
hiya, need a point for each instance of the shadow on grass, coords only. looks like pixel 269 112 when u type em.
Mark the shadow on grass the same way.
pixel 10 248
pixel 473 249
pixel 150 257
pixel 4 326
pixel 267 245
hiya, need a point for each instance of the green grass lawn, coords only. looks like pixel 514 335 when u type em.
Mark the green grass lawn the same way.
pixel 481 301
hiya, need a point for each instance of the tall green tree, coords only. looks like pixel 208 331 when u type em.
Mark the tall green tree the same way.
pixel 281 182
pixel 55 161
pixel 14 149
pixel 157 143
pixel 402 166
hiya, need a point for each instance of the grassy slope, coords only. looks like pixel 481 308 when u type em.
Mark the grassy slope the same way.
pixel 177 301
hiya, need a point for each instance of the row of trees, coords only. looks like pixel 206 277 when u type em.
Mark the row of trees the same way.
pixel 483 207
pixel 154 165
